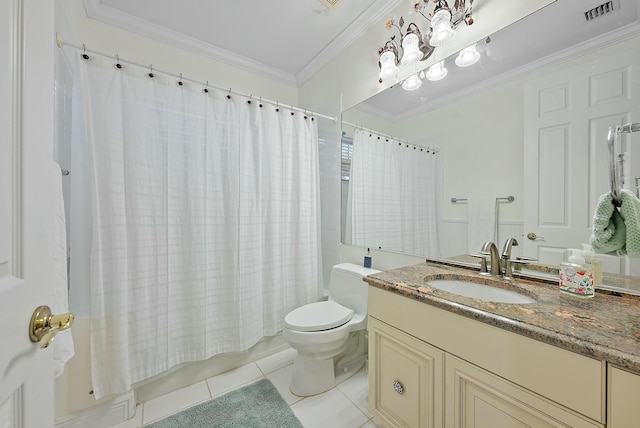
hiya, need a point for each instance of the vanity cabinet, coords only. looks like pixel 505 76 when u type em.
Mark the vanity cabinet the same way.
pixel 406 388
pixel 623 396
pixel 486 376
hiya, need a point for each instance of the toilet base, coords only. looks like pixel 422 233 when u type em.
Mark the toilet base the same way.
pixel 312 376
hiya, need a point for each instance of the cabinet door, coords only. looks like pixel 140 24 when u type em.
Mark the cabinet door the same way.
pixel 405 378
pixel 623 399
pixel 476 398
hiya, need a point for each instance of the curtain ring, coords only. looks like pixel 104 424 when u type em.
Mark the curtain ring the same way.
pixel 84 52
pixel 305 114
pixel 180 82
pixel 205 90
pixel 117 64
pixel 229 94
pixel 151 75
pixel 249 100
pixel 260 103
pixel 277 107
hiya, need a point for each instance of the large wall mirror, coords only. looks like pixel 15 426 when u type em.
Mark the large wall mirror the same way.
pixel 521 132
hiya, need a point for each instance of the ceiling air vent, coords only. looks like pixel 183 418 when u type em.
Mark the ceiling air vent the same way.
pixel 330 3
pixel 599 11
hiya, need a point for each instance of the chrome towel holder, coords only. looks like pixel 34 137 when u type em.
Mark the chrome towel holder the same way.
pixel 504 198
pixel 616 171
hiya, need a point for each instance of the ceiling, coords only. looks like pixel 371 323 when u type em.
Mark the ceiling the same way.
pixel 554 33
pixel 288 40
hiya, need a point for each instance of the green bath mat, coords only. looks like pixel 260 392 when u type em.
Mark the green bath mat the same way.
pixel 256 405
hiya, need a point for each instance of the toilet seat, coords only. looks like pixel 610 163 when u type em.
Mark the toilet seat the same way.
pixel 318 316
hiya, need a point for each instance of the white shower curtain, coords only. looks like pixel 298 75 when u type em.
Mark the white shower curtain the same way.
pixel 392 196
pixel 205 221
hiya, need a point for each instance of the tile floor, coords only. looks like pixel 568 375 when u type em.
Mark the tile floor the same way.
pixel 344 406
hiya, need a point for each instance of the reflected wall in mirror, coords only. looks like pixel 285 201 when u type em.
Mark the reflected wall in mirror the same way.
pixel 529 120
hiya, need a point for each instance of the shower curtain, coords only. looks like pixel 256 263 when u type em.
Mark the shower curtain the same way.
pixel 391 202
pixel 205 221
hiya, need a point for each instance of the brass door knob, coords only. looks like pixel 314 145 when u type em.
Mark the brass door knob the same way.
pixel 44 326
pixel 532 236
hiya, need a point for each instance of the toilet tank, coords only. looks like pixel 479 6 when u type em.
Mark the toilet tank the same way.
pixel 347 287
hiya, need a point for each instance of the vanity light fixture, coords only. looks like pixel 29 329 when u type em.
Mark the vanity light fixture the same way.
pixel 416 45
pixel 437 71
pixel 441 31
pixel 388 61
pixel 411 45
pixel 468 56
pixel 411 83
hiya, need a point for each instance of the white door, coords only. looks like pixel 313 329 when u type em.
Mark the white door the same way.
pixel 26 133
pixel 567 117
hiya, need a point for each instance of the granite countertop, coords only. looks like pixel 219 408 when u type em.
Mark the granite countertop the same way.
pixel 605 327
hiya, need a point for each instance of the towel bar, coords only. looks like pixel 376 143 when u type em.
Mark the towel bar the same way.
pixel 505 198
pixel 616 174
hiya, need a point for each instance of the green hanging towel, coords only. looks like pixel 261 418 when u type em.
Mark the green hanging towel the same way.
pixel 609 234
pixel 630 212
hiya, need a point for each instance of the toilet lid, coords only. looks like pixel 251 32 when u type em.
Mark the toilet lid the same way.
pixel 318 316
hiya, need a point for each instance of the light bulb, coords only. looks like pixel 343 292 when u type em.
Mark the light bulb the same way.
pixel 441 31
pixel 437 71
pixel 467 56
pixel 411 49
pixel 411 83
pixel 388 65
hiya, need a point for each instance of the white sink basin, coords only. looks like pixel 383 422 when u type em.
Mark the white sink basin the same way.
pixel 480 291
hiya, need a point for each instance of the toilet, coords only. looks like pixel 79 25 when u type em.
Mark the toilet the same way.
pixel 329 336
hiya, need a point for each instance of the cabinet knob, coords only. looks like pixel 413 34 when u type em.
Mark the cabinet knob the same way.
pixel 397 387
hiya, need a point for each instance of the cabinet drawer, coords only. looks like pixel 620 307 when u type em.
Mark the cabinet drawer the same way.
pixel 405 378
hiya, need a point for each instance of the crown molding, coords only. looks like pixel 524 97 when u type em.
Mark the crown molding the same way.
pixel 588 46
pixel 97 10
pixel 372 15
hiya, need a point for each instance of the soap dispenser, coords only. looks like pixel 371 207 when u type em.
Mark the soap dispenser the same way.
pixel 596 264
pixel 576 276
pixel 367 259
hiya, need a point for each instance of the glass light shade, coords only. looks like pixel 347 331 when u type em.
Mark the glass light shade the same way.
pixel 441 31
pixel 411 49
pixel 411 83
pixel 468 56
pixel 437 71
pixel 388 65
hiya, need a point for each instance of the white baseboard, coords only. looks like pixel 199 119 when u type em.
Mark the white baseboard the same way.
pixel 118 410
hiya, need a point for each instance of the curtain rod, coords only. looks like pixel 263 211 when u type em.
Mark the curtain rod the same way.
pixel 83 48
pixel 381 134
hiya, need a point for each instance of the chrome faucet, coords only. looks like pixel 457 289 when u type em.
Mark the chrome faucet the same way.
pixel 491 248
pixel 506 251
